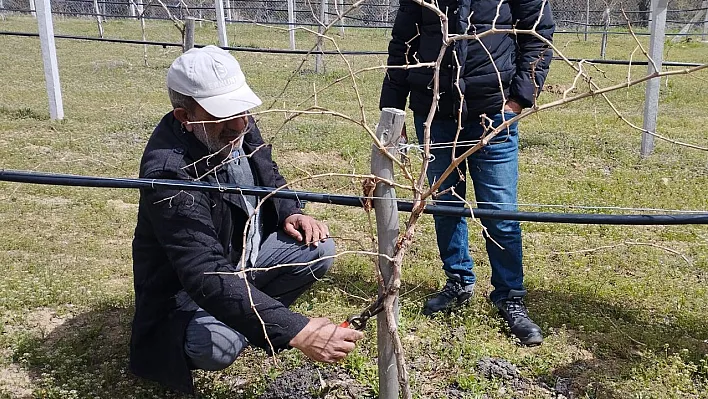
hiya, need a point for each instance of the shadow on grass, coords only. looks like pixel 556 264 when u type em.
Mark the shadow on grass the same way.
pixel 22 113
pixel 627 345
pixel 626 342
pixel 86 357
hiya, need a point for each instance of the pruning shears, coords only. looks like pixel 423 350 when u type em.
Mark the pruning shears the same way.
pixel 358 322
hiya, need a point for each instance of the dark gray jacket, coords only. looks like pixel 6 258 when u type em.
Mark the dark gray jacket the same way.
pixel 522 61
pixel 181 237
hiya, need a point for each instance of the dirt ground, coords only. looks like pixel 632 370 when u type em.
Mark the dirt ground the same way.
pixel 310 381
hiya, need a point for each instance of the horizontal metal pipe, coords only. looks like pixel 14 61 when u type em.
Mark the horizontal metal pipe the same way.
pixel 348 200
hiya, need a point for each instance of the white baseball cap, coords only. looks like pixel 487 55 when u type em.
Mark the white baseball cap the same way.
pixel 214 79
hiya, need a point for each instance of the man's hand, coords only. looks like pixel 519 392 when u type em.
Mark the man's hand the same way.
pixel 298 225
pixel 513 106
pixel 323 341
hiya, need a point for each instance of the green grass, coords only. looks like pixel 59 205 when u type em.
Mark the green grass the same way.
pixel 627 320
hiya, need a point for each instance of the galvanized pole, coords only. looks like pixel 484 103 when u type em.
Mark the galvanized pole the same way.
pixel 228 9
pixel 201 16
pixel 98 18
pixel 104 11
pixel 704 36
pixel 651 97
pixel 33 8
pixel 388 132
pixel 141 15
pixel 687 28
pixel 338 8
pixel 188 33
pixel 319 57
pixel 131 8
pixel 220 23
pixel 325 12
pixel 587 18
pixel 291 23
pixel 606 21
pixel 49 59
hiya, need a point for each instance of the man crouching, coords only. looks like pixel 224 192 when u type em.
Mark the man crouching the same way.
pixel 191 310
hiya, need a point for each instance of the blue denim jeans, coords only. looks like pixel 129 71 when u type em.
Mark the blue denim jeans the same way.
pixel 494 173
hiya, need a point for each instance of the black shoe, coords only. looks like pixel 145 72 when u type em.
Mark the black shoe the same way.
pixel 517 317
pixel 452 295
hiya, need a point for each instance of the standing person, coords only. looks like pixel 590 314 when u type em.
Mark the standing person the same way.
pixel 498 78
pixel 191 310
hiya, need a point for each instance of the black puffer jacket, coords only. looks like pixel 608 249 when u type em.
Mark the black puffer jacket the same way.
pixel 182 239
pixel 519 59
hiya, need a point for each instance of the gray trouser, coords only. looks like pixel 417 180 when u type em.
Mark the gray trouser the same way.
pixel 212 345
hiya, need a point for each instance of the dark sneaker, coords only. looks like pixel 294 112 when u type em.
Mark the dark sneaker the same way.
pixel 517 317
pixel 452 295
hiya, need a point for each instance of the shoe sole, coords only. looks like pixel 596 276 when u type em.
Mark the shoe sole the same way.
pixel 532 340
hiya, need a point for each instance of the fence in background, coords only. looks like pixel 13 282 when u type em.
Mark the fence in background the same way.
pixel 571 15
pixel 227 11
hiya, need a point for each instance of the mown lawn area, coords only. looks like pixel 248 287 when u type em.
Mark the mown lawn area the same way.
pixel 623 308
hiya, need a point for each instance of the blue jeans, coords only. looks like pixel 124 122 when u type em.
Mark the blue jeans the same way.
pixel 494 172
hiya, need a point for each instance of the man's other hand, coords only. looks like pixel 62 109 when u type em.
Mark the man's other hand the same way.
pixel 513 106
pixel 303 227
pixel 323 341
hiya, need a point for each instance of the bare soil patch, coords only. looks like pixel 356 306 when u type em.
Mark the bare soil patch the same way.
pixel 310 381
pixel 15 382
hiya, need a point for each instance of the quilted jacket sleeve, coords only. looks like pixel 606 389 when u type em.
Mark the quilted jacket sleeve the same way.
pixel 184 228
pixel 533 56
pixel 394 93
